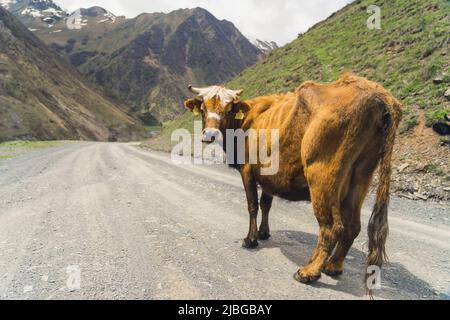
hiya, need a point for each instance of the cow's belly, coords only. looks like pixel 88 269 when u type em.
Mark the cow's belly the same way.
pixel 289 183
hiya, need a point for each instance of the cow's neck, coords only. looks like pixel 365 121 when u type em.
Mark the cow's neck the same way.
pixel 236 124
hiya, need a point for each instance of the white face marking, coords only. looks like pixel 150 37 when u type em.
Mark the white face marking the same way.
pixel 213 115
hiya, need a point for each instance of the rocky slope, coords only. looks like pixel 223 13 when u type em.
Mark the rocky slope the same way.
pixel 43 97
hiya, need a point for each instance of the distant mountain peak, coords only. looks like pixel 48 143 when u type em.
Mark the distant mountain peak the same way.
pixel 93 11
pixel 45 11
pixel 7 3
pixel 44 14
pixel 97 11
pixel 99 14
pixel 262 45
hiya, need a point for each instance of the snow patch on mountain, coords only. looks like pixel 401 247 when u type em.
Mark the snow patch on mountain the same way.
pixel 49 13
pixel 45 10
pixel 7 3
pixel 264 46
pixel 32 12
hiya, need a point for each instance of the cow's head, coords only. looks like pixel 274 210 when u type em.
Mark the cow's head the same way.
pixel 218 107
pixel 442 128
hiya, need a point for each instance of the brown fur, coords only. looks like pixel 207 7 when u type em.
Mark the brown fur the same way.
pixel 332 139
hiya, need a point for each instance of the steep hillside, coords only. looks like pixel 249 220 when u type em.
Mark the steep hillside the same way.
pixel 146 62
pixel 409 55
pixel 43 97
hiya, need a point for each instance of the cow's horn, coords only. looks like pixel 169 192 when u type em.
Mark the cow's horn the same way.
pixel 194 90
pixel 447 117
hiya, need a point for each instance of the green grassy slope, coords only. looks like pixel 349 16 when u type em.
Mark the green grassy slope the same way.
pixel 408 55
pixel 163 142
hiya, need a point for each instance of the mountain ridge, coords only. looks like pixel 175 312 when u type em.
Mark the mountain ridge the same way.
pixel 43 97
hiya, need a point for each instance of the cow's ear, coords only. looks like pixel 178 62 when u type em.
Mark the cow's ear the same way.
pixel 193 105
pixel 240 110
pixel 240 107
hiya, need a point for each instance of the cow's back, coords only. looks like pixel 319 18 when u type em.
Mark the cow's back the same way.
pixel 312 124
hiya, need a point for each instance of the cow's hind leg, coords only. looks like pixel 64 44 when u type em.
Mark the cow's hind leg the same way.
pixel 266 205
pixel 328 213
pixel 351 213
pixel 351 210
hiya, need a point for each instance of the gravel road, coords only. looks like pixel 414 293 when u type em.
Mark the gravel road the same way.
pixel 112 221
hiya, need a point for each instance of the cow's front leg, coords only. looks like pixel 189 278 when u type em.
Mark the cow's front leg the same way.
pixel 266 204
pixel 251 191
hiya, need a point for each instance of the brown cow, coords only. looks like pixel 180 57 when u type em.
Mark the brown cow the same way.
pixel 332 139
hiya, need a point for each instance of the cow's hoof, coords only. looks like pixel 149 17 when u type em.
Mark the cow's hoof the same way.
pixel 333 273
pixel 332 269
pixel 306 279
pixel 263 235
pixel 250 244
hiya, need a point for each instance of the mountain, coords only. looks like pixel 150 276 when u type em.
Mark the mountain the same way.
pixel 44 97
pixel 264 46
pixel 409 55
pixel 35 14
pixel 148 61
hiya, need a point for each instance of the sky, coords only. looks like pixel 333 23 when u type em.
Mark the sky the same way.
pixel 273 20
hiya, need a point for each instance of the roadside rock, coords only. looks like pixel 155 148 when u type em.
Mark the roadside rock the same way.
pixel 438 80
pixel 421 170
pixel 447 94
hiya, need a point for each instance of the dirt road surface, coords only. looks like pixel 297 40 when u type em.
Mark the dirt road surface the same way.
pixel 112 221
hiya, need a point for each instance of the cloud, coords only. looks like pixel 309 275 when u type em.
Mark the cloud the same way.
pixel 278 20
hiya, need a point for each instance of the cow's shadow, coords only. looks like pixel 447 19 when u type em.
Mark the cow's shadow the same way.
pixel 397 281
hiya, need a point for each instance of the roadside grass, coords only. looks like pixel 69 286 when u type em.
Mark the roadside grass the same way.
pixel 163 141
pixel 30 144
pixel 11 149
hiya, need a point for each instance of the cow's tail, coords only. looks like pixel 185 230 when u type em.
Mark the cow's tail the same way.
pixel 378 225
